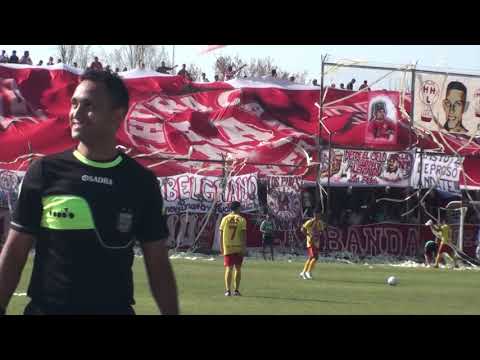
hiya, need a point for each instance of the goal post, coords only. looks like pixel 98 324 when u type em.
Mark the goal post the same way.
pixel 454 215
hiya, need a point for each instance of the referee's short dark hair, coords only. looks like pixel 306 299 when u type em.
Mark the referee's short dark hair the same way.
pixel 235 205
pixel 115 86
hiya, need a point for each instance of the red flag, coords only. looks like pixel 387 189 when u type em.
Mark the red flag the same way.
pixel 208 48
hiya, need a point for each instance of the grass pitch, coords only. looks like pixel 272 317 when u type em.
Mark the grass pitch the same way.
pixel 274 288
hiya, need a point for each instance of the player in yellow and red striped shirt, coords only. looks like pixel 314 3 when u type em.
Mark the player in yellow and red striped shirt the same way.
pixel 233 245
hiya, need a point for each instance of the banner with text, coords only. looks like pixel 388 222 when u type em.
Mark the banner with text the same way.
pixel 366 168
pixel 284 201
pixel 441 171
pixel 196 193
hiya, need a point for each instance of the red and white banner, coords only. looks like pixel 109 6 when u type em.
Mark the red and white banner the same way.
pixel 389 239
pixel 175 126
pixel 367 119
pixel 362 240
pixel 197 193
pixel 284 201
pixel 366 168
pixel 349 116
pixel 267 126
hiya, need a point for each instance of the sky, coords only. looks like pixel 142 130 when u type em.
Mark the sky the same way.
pixel 297 58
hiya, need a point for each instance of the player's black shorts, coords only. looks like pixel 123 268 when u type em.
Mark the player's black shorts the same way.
pixel 267 240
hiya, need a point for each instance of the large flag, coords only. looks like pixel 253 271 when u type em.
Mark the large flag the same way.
pixel 173 126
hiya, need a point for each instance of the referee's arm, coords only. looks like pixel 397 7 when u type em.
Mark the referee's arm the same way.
pixel 161 277
pixel 13 257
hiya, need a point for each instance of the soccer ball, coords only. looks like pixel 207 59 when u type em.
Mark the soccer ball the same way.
pixel 392 280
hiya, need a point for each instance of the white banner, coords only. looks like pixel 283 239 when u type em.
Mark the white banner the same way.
pixel 196 193
pixel 449 103
pixel 366 168
pixel 441 171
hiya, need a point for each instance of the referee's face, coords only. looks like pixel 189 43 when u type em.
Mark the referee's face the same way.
pixel 92 117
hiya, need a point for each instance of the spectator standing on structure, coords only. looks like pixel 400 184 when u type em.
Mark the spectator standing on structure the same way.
pixel 204 78
pixel 26 59
pixel 50 61
pixel 350 84
pixel 184 73
pixel 96 65
pixel 13 58
pixel 163 69
pixel 364 85
pixel 230 73
pixel 4 57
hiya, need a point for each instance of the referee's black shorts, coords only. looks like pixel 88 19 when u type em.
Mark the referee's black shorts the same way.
pixel 34 308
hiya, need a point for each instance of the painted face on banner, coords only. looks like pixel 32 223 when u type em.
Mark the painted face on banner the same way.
pixel 380 115
pixel 337 162
pixel 392 164
pixel 382 120
pixel 454 106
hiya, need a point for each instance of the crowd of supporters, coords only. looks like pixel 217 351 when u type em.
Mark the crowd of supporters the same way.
pixel 230 73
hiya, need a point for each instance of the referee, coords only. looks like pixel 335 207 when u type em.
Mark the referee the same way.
pixel 84 208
